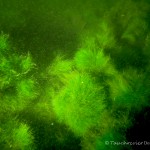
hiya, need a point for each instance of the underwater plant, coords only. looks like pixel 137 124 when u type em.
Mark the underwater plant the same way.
pixel 78 88
pixel 83 101
pixel 94 61
pixel 26 89
pixel 93 91
pixel 80 103
pixel 135 30
pixel 16 135
pixel 3 42
pixel 60 69
pixel 22 138
pixel 17 90
pixel 91 60
pixel 15 84
pixel 105 36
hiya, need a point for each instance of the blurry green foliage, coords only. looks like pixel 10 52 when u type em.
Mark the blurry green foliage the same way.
pixel 26 89
pixel 16 136
pixel 80 103
pixel 91 60
pixel 90 84
pixel 60 69
pixel 121 92
pixel 16 89
pixel 27 64
pixel 22 138
pixel 3 42
pixel 94 94
pixel 13 71
pixel 106 36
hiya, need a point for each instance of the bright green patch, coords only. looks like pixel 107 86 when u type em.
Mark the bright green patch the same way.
pixel 26 88
pixel 22 138
pixel 80 103
pixel 88 60
pixel 27 64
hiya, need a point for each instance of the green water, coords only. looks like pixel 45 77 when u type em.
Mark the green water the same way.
pixel 74 75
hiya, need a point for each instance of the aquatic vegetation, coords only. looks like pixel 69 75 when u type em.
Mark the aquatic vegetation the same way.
pixel 60 66
pixel 26 89
pixel 135 30
pixel 22 138
pixel 91 92
pixel 14 69
pixel 16 88
pixel 105 36
pixel 139 82
pixel 3 42
pixel 60 69
pixel 119 90
pixel 96 90
pixel 112 127
pixel 27 64
pixel 80 103
pixel 88 60
pixel 16 135
pixel 130 29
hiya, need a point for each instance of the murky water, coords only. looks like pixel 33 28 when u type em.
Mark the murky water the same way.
pixel 74 74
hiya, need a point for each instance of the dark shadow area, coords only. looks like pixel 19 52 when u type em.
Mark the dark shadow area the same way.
pixel 140 130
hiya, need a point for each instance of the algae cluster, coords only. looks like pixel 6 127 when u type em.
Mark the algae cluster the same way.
pixel 74 74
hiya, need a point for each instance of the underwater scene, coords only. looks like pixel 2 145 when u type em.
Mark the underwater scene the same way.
pixel 74 75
